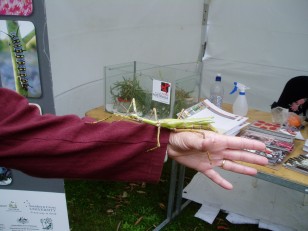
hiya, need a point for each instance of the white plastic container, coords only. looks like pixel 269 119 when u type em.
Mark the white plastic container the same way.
pixel 217 92
pixel 240 105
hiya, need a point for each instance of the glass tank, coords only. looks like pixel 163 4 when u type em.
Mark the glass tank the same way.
pixel 168 89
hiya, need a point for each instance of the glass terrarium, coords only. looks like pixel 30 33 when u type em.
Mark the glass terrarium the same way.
pixel 168 89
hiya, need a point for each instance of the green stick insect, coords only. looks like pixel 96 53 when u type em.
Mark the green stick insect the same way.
pixel 176 125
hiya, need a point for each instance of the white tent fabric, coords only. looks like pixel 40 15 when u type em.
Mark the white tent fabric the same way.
pixel 260 43
pixel 85 36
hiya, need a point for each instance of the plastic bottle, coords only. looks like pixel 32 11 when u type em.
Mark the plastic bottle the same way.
pixel 240 105
pixel 217 92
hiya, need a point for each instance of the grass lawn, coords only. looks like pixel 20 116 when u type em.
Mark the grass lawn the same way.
pixel 112 206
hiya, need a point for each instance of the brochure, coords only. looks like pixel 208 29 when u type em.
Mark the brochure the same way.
pixel 299 163
pixel 278 147
pixel 274 129
pixel 225 122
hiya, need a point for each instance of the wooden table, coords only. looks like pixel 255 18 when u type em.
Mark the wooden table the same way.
pixel 282 176
pixel 99 113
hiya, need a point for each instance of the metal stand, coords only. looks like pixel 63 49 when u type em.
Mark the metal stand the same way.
pixel 175 205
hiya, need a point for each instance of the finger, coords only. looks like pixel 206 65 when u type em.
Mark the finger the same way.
pixel 232 142
pixel 245 156
pixel 244 143
pixel 218 179
pixel 238 168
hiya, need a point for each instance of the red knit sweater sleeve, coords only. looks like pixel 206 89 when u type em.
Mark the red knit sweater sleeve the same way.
pixel 67 147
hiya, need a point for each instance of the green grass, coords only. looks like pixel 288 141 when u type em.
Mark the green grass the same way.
pixel 111 206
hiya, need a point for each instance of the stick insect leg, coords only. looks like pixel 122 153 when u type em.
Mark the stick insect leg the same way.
pixel 98 121
pixel 158 131
pixel 132 104
pixel 158 136
pixel 158 128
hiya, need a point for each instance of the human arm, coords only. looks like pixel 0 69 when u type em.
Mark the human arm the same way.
pixel 69 147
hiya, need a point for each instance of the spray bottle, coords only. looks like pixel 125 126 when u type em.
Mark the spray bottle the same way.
pixel 240 106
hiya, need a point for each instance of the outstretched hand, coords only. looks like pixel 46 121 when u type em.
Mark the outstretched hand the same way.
pixel 215 150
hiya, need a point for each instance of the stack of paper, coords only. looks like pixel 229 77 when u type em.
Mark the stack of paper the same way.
pixel 225 122
pixel 279 146
pixel 274 129
pixel 298 163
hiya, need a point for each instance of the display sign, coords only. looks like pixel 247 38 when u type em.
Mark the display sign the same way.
pixel 16 7
pixel 18 57
pixel 161 91
pixel 31 210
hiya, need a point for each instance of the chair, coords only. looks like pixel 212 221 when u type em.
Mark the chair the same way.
pixel 294 95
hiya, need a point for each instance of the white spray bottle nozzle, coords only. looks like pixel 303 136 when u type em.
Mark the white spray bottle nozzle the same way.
pixel 239 86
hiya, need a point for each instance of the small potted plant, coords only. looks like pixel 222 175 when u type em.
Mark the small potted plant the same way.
pixel 124 91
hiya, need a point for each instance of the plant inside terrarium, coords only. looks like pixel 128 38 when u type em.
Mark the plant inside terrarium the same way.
pixel 183 100
pixel 125 90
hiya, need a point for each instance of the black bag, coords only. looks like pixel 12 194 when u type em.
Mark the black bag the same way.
pixel 294 95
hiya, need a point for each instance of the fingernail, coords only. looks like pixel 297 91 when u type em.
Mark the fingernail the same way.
pixel 268 151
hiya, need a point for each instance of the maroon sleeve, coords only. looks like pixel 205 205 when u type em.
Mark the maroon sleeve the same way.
pixel 68 147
